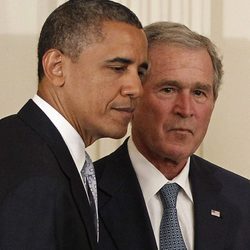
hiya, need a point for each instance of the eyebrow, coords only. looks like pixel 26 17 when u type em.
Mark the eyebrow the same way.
pixel 199 85
pixel 120 60
pixel 127 61
pixel 204 86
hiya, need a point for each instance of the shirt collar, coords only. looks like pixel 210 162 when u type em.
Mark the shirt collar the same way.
pixel 70 136
pixel 151 179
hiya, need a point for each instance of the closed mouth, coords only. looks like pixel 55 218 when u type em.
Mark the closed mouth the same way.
pixel 125 109
pixel 182 130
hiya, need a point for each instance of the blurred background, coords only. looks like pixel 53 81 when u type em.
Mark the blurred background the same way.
pixel 225 22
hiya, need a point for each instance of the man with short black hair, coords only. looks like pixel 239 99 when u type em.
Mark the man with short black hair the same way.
pixel 92 56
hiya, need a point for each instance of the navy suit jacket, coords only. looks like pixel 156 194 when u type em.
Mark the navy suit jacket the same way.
pixel 125 223
pixel 43 205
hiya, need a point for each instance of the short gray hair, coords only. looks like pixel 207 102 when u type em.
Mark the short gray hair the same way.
pixel 176 33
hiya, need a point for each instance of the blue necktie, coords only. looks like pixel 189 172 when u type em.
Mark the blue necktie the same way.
pixel 170 232
pixel 89 179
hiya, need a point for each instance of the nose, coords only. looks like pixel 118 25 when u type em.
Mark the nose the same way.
pixel 184 105
pixel 132 87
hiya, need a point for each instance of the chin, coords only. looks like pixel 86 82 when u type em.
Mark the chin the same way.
pixel 116 133
pixel 177 154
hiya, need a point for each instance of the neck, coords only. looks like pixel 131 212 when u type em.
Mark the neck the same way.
pixel 169 168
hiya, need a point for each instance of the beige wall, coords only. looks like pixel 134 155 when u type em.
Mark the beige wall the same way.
pixel 227 142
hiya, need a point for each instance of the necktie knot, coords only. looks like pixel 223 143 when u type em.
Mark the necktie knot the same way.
pixel 88 169
pixel 169 194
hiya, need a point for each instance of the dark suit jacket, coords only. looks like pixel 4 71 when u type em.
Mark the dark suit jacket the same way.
pixel 124 221
pixel 43 205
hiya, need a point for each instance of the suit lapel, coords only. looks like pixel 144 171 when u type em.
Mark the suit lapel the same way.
pixel 121 203
pixel 33 116
pixel 211 214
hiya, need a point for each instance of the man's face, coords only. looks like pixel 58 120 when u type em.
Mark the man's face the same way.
pixel 172 116
pixel 101 87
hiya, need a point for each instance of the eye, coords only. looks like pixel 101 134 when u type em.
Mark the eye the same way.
pixel 118 69
pixel 142 73
pixel 200 95
pixel 198 92
pixel 202 91
pixel 168 89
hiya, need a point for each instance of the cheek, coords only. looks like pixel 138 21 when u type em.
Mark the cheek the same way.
pixel 143 112
pixel 159 111
pixel 204 120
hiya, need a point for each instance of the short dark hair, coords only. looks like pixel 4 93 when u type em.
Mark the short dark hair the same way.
pixel 76 24
pixel 179 34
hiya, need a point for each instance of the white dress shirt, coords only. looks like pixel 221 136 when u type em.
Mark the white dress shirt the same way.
pixel 151 181
pixel 70 136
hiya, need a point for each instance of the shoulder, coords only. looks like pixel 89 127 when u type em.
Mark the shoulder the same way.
pixel 9 122
pixel 119 155
pixel 117 163
pixel 232 183
pixel 25 156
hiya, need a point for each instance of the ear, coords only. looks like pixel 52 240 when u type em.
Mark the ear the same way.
pixel 52 65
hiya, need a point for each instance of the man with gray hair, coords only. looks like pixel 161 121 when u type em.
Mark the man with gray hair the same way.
pixel 92 56
pixel 155 193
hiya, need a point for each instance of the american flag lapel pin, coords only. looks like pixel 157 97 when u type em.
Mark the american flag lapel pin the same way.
pixel 215 213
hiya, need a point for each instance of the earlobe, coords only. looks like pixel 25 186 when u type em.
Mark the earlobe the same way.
pixel 52 64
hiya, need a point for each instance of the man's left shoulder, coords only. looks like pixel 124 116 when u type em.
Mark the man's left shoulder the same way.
pixel 221 173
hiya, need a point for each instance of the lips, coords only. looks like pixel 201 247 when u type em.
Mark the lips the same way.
pixel 182 130
pixel 125 113
pixel 125 109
